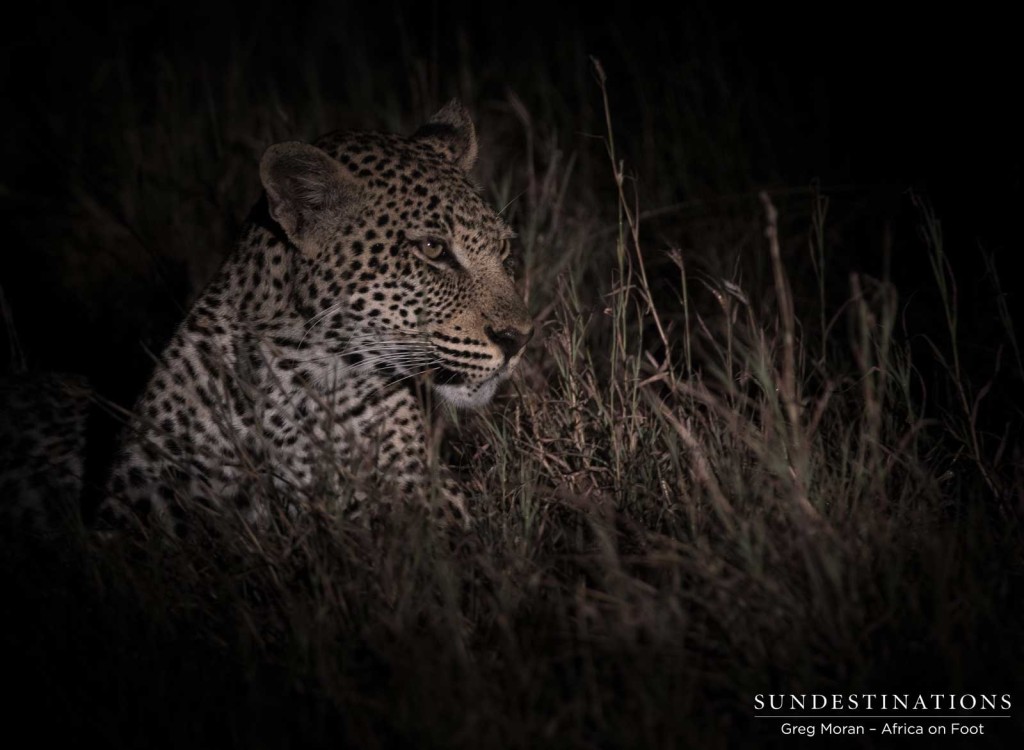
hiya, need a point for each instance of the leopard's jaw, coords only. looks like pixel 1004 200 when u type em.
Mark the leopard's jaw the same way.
pixel 473 396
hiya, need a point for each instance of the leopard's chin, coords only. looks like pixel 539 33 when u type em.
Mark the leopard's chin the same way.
pixel 454 387
pixel 470 395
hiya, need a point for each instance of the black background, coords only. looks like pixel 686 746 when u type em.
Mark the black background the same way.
pixel 881 98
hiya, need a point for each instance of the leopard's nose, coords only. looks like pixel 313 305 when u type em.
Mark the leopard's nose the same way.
pixel 510 340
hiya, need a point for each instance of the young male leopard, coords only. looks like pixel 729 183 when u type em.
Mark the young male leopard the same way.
pixel 371 264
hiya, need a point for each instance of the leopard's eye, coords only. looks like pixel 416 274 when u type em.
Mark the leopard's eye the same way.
pixel 434 249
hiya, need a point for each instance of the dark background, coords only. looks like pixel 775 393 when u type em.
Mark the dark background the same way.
pixel 867 99
pixel 871 93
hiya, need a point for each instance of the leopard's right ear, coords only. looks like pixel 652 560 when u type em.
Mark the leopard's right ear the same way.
pixel 450 132
pixel 302 183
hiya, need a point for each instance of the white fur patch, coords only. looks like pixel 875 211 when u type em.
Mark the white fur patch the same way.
pixel 470 395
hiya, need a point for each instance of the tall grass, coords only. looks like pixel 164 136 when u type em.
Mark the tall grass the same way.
pixel 711 478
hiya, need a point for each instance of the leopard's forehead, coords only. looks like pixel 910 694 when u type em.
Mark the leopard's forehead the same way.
pixel 411 183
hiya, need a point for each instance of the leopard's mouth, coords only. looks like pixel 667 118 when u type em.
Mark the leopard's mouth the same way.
pixel 462 391
pixel 446 376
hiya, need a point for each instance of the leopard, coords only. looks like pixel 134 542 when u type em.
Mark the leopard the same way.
pixel 44 423
pixel 371 280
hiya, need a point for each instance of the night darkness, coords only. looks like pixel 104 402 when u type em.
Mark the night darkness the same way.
pixel 604 598
pixel 872 101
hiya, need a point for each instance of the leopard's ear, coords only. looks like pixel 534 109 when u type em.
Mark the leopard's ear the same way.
pixel 303 182
pixel 450 131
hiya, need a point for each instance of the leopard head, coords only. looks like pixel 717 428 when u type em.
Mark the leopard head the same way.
pixel 400 265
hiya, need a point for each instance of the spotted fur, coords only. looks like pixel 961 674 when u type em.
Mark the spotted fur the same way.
pixel 42 450
pixel 372 265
